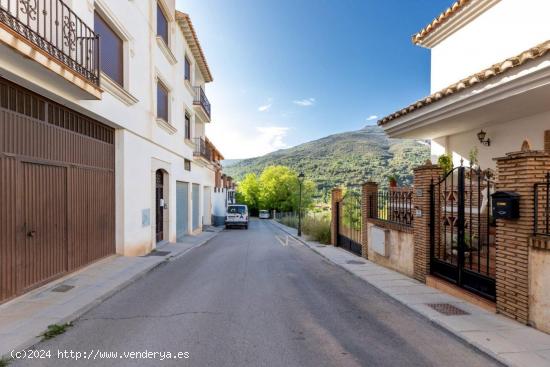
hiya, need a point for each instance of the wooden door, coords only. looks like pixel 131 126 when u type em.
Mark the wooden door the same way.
pixel 42 254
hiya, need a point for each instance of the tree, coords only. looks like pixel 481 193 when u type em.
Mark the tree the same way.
pixel 248 192
pixel 279 189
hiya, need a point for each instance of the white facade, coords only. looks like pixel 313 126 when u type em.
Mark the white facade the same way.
pixel 143 143
pixel 504 29
pixel 510 106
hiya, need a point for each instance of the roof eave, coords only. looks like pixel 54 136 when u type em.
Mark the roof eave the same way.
pixel 188 30
pixel 472 80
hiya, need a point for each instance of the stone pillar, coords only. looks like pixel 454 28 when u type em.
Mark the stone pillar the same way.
pixel 517 172
pixel 335 198
pixel 369 198
pixel 423 177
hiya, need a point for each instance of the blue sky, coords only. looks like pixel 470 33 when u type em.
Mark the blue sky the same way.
pixel 291 71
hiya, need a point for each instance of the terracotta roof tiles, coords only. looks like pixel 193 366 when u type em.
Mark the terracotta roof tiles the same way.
pixel 442 18
pixel 190 35
pixel 497 69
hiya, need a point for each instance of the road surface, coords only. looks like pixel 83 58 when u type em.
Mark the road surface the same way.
pixel 254 298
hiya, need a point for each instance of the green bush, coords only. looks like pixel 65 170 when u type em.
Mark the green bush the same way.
pixel 289 221
pixel 317 227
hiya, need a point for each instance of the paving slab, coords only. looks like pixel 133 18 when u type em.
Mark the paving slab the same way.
pixel 507 341
pixel 23 319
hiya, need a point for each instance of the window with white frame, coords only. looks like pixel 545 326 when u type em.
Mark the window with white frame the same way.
pixel 162 24
pixel 162 101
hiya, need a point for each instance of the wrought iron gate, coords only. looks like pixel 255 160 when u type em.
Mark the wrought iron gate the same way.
pixel 462 232
pixel 349 222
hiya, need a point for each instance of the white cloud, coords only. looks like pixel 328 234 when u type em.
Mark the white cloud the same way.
pixel 265 107
pixel 237 142
pixel 372 117
pixel 272 137
pixel 306 102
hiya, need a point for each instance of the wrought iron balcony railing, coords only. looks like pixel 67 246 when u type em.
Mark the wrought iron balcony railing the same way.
pixel 54 28
pixel 203 149
pixel 200 99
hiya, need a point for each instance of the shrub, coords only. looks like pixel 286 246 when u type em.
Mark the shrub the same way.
pixel 317 227
pixel 289 221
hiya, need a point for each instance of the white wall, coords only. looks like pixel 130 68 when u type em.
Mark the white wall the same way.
pixel 142 145
pixel 138 193
pixel 505 30
pixel 505 137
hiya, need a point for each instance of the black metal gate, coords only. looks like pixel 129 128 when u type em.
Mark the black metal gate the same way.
pixel 349 222
pixel 462 232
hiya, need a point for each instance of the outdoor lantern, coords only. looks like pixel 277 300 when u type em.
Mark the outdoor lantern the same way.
pixel 481 137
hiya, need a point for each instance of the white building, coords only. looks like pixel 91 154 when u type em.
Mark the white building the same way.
pixel 102 142
pixel 490 71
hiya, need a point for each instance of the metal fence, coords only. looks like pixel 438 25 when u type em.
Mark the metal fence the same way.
pixel 542 207
pixel 392 205
pixel 54 28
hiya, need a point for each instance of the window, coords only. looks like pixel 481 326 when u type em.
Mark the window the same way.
pixel 187 165
pixel 187 126
pixel 187 69
pixel 112 49
pixel 162 101
pixel 162 24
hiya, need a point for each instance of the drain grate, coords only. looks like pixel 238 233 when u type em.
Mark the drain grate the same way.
pixel 63 288
pixel 355 262
pixel 321 246
pixel 159 253
pixel 447 309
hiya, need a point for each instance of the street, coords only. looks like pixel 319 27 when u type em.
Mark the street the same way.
pixel 255 298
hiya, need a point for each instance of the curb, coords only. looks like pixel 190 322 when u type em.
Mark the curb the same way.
pixel 102 298
pixel 479 348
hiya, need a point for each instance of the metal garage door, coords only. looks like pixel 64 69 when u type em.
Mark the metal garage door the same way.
pixel 182 209
pixel 56 190
pixel 196 206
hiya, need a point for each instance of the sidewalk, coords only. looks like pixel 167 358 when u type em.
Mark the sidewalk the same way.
pixel 23 319
pixel 505 340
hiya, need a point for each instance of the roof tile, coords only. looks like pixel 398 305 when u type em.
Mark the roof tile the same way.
pixel 497 69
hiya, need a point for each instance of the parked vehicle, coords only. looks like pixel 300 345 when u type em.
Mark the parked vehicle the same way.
pixel 264 214
pixel 237 215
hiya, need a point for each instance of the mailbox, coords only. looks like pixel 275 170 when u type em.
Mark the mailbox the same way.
pixel 505 205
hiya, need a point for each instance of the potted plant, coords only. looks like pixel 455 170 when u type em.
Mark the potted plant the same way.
pixel 445 162
pixel 393 181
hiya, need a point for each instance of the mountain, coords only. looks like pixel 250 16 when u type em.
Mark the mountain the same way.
pixel 230 162
pixel 345 159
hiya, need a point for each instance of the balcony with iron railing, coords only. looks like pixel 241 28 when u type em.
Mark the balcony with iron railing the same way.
pixel 202 149
pixel 202 104
pixel 51 27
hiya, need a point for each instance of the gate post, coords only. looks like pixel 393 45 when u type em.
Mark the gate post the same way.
pixel 517 172
pixel 369 197
pixel 423 178
pixel 336 197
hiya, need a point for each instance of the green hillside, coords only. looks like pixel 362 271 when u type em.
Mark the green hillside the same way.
pixel 346 159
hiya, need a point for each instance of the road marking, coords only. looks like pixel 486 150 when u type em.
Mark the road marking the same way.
pixel 283 243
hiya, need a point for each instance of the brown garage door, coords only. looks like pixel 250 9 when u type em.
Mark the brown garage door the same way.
pixel 56 190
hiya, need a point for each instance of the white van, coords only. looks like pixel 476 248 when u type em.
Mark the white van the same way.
pixel 237 215
pixel 264 214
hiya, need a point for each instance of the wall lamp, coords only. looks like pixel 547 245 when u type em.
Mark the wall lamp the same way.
pixel 481 137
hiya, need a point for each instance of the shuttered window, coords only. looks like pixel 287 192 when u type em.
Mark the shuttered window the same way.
pixel 112 48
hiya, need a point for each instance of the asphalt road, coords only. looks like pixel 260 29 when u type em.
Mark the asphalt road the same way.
pixel 249 298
